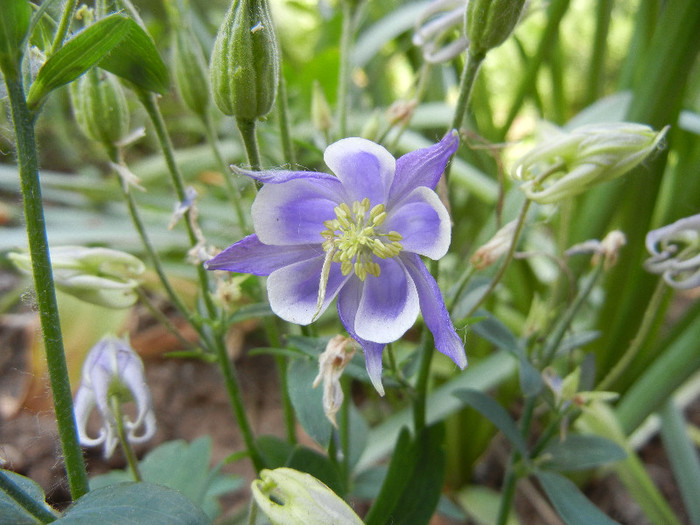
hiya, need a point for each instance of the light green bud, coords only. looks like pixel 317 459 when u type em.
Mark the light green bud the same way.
pixel 98 276
pixel 290 497
pixel 100 108
pixel 244 67
pixel 572 162
pixel 490 22
pixel 191 75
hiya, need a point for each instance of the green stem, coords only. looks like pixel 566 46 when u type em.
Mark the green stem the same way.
pixel 149 103
pixel 509 257
pixel 466 85
pixel 250 141
pixel 44 286
pixel 24 500
pixel 650 314
pixel 234 193
pixel 123 440
pixel 596 67
pixel 63 26
pixel 283 117
pixel 162 318
pixel 344 68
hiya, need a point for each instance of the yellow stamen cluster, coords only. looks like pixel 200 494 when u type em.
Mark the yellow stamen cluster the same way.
pixel 352 239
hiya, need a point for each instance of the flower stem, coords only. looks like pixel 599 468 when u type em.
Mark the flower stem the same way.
pixel 24 500
pixel 123 440
pixel 44 286
pixel 283 117
pixel 509 257
pixel 344 69
pixel 466 84
pixel 63 26
pixel 657 299
pixel 250 141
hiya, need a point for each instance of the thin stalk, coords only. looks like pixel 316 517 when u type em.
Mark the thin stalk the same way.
pixel 597 64
pixel 63 26
pixel 509 257
pixel 44 286
pixel 345 433
pixel 461 284
pixel 253 512
pixel 283 118
pixel 426 356
pixel 149 103
pixel 123 440
pixel 344 68
pixel 234 193
pixel 250 141
pixel 24 500
pixel 466 85
pixel 162 318
pixel 648 321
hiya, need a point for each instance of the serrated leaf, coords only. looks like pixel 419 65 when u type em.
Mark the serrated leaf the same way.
pixel 573 507
pixel 491 410
pixel 10 511
pixel 137 60
pixel 77 55
pixel 134 504
pixel 413 484
pixel 581 452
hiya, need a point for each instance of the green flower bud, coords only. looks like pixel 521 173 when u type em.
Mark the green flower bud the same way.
pixel 244 68
pixel 490 22
pixel 14 23
pixel 190 67
pixel 99 276
pixel 290 497
pixel 572 162
pixel 99 106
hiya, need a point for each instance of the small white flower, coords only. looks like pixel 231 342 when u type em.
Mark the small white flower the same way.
pixel 675 253
pixel 112 369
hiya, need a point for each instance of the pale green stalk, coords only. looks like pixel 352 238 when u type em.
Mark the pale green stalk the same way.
pixel 123 440
pixel 63 26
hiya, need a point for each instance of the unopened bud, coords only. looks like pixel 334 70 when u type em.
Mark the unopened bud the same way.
pixel 100 108
pixel 573 162
pixel 190 68
pixel 490 23
pixel 290 497
pixel 497 246
pixel 244 68
pixel 95 275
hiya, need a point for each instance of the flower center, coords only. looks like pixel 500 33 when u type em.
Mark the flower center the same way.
pixel 352 239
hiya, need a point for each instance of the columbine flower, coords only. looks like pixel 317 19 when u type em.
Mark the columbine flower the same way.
pixel 112 371
pixel 572 162
pixel 290 497
pixel 331 364
pixel 675 253
pixel 358 236
pixel 437 24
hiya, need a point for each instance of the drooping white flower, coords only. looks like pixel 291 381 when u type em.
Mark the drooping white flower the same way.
pixel 675 253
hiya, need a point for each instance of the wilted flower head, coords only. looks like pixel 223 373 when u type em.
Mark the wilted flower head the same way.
pixel 99 276
pixel 675 253
pixel 358 236
pixel 497 246
pixel 331 364
pixel 436 28
pixel 113 372
pixel 608 248
pixel 290 497
pixel 572 162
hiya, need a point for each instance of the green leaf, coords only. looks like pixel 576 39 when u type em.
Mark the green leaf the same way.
pixel 481 504
pixel 78 55
pixel 306 460
pixel 275 451
pixel 413 484
pixel 184 467
pixel 14 22
pixel 573 507
pixel 134 504
pixel 136 59
pixel 491 410
pixel 251 311
pixel 10 511
pixel 308 401
pixel 581 452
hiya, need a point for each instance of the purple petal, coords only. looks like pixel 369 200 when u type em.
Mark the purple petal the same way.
pixel 294 212
pixel 282 176
pixel 293 290
pixel 388 305
pixel 366 169
pixel 435 315
pixel 249 255
pixel 423 221
pixel 348 304
pixel 423 167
